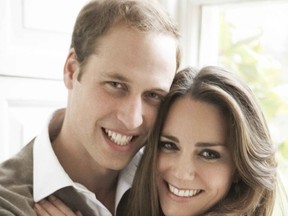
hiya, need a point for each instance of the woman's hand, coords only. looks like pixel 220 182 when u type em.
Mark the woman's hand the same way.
pixel 53 206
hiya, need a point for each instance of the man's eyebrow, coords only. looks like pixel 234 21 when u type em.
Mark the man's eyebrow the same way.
pixel 116 76
pixel 119 77
pixel 161 91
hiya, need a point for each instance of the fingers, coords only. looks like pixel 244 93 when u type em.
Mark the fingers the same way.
pixel 53 206
pixel 40 211
pixel 61 206
pixel 47 208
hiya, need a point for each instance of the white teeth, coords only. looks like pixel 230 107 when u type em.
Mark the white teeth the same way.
pixel 183 193
pixel 117 138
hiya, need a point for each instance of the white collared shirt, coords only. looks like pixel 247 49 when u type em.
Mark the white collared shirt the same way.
pixel 47 167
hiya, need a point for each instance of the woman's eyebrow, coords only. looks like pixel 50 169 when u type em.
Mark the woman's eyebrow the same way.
pixel 198 144
pixel 169 137
pixel 209 144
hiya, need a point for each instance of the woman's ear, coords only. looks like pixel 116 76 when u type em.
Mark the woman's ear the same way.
pixel 71 69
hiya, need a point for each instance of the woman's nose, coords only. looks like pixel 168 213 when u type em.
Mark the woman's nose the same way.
pixel 185 168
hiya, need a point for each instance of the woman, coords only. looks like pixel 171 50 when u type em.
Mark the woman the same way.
pixel 210 152
pixel 253 182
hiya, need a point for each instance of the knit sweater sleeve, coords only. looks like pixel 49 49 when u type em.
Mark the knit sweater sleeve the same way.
pixel 16 179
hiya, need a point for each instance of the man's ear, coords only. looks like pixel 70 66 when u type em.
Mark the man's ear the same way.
pixel 71 69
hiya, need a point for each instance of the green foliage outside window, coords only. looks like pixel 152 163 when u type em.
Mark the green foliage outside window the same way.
pixel 261 70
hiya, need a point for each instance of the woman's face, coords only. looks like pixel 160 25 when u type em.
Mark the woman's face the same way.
pixel 195 167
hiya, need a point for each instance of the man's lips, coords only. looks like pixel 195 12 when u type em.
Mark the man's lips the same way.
pixel 118 138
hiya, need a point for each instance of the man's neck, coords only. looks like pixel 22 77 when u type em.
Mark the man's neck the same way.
pixel 102 182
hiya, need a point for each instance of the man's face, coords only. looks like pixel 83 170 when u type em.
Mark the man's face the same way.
pixel 114 105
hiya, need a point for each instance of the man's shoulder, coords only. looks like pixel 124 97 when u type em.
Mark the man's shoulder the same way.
pixel 15 204
pixel 16 183
pixel 18 167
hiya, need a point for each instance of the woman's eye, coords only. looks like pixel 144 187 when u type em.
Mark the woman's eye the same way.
pixel 208 154
pixel 167 146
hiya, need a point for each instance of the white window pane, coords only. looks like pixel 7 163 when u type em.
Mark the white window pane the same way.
pixel 252 39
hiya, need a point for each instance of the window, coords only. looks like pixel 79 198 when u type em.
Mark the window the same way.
pixel 250 38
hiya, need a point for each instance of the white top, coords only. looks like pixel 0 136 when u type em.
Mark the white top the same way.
pixel 46 166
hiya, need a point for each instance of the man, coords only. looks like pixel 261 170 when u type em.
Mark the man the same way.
pixel 123 58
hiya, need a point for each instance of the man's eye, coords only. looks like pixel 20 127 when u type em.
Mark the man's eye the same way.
pixel 116 85
pixel 167 146
pixel 209 154
pixel 152 96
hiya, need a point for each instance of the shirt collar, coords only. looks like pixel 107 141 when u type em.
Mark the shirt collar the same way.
pixel 126 177
pixel 48 175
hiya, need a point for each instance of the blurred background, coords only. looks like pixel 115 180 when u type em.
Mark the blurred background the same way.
pixel 246 36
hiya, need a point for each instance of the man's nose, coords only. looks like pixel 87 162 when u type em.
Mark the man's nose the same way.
pixel 131 113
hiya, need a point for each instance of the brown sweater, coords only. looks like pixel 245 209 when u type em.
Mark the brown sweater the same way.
pixel 16 187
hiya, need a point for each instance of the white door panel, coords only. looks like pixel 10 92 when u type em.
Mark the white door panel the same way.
pixel 25 105
pixel 35 37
